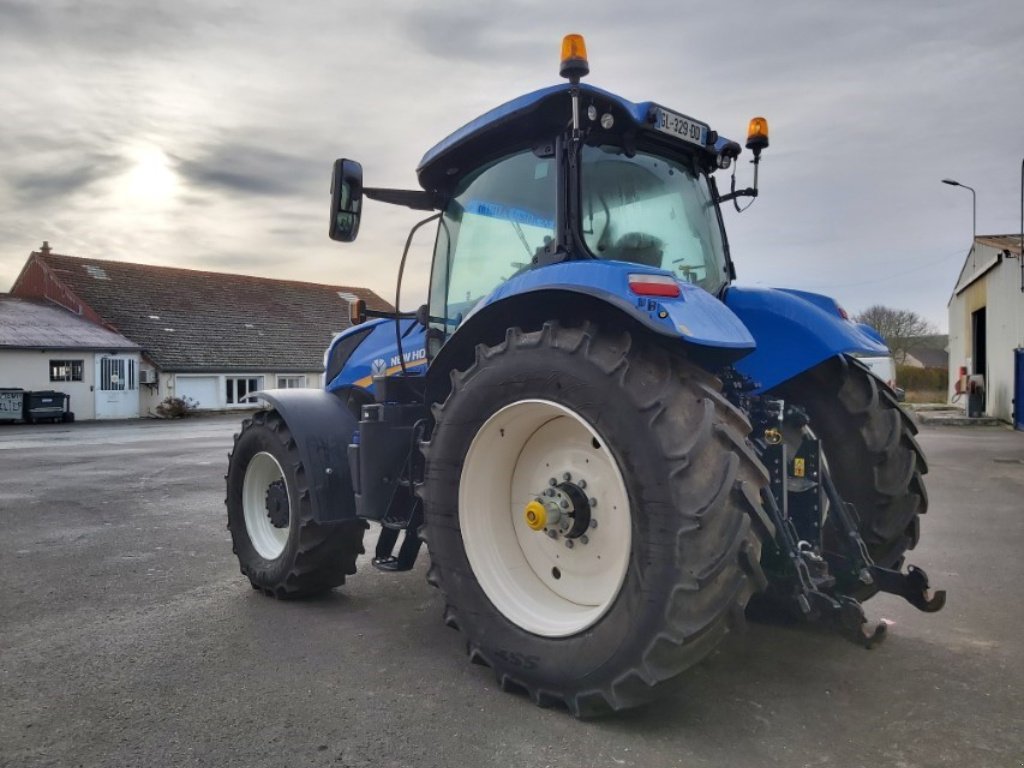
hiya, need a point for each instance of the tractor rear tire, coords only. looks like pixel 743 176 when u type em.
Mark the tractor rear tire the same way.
pixel 676 489
pixel 282 550
pixel 869 443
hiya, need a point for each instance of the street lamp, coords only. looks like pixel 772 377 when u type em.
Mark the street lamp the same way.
pixel 974 211
pixel 974 203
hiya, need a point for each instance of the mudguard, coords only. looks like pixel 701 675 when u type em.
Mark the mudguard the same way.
pixel 795 330
pixel 695 316
pixel 322 427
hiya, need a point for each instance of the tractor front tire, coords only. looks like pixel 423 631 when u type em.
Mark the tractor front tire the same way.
pixel 282 550
pixel 869 443
pixel 641 453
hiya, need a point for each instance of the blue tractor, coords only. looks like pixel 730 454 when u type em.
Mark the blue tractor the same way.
pixel 612 452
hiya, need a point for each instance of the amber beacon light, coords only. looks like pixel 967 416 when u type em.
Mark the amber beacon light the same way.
pixel 757 135
pixel 574 58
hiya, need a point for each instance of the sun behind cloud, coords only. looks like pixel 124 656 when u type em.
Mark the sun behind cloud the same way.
pixel 151 182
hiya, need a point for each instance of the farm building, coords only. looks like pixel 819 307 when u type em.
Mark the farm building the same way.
pixel 209 336
pixel 986 324
pixel 44 347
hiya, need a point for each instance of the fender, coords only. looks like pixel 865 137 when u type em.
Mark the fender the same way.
pixel 795 330
pixel 322 426
pixel 695 316
pixel 592 290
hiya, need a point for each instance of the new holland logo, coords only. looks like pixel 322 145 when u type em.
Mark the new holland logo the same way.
pixel 379 367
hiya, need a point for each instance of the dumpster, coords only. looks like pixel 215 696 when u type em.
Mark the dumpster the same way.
pixel 48 405
pixel 11 403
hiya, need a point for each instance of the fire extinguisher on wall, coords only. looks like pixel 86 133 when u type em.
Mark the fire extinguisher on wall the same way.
pixel 960 386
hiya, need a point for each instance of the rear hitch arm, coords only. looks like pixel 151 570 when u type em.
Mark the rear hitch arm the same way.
pixel 912 586
pixel 844 613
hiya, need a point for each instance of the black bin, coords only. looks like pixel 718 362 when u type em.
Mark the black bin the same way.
pixel 975 405
pixel 48 405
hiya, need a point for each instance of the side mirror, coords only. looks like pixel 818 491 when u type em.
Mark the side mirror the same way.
pixel 346 200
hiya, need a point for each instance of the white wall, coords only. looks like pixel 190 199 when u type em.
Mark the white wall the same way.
pixel 1005 331
pixel 999 292
pixel 166 387
pixel 959 343
pixel 30 370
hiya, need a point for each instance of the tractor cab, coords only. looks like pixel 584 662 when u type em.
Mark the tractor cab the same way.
pixel 566 173
pixel 650 203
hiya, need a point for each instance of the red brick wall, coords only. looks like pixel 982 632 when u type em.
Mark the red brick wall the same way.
pixel 36 281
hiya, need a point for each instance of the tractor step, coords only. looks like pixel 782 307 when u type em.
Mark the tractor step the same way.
pixel 384 558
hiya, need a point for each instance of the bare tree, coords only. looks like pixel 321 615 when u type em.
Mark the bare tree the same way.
pixel 899 327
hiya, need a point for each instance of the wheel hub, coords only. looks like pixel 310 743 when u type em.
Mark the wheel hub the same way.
pixel 563 509
pixel 277 504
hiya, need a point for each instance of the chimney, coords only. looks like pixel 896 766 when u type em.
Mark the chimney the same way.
pixel 45 250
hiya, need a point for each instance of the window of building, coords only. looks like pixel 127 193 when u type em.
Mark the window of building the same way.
pixel 237 388
pixel 66 370
pixel 291 382
pixel 117 374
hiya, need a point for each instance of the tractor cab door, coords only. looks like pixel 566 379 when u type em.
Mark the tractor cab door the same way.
pixel 498 222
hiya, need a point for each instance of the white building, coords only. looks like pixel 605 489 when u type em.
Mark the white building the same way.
pixel 47 348
pixel 209 336
pixel 986 324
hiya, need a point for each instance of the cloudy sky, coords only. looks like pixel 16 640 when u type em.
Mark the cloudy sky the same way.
pixel 201 133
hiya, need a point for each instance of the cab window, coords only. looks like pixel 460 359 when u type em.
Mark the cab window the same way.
pixel 651 210
pixel 500 218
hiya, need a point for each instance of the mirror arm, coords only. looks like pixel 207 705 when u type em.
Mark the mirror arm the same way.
pixel 416 199
pixel 390 315
pixel 748 192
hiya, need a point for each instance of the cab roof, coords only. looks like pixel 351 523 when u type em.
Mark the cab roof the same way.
pixel 528 120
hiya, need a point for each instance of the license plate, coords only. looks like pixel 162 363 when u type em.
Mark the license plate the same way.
pixel 680 126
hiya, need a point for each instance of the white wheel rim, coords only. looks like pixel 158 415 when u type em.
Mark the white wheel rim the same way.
pixel 511 462
pixel 268 540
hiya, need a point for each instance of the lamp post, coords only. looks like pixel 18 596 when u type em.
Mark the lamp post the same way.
pixel 974 201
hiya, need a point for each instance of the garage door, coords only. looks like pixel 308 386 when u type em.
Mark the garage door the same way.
pixel 204 390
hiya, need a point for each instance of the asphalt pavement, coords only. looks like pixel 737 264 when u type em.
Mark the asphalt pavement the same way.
pixel 128 638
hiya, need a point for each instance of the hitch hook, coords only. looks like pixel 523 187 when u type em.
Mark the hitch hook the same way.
pixel 912 586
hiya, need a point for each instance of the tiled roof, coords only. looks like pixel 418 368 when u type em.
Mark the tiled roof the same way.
pixel 929 358
pixel 189 320
pixel 26 324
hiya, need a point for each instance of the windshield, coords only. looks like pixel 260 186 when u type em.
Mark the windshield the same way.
pixel 500 219
pixel 651 210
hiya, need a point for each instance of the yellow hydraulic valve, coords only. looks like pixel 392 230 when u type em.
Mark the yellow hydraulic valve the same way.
pixel 536 515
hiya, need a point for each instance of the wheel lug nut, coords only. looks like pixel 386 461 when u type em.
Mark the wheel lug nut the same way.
pixel 593 523
pixel 552 482
pixel 565 504
pixel 552 533
pixel 582 483
pixel 593 503
pixel 584 539
pixel 566 476
pixel 569 544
